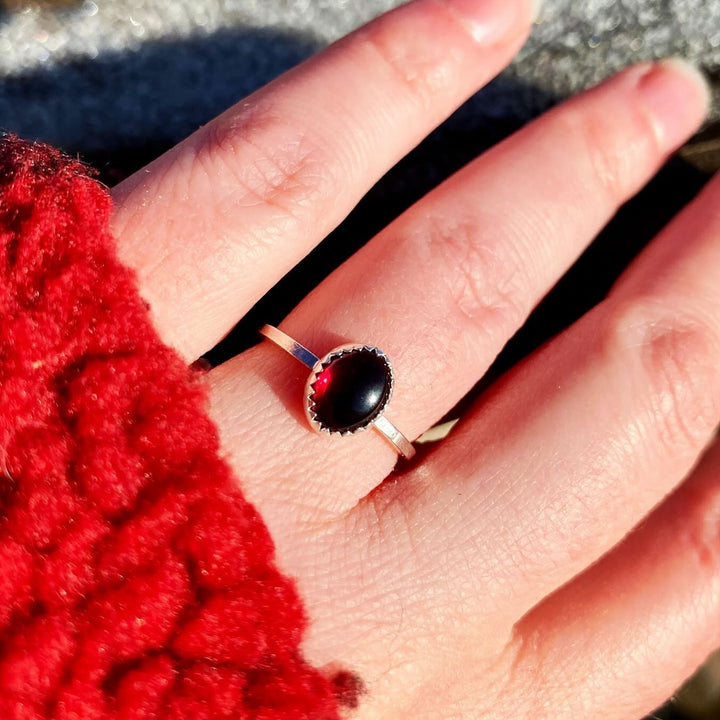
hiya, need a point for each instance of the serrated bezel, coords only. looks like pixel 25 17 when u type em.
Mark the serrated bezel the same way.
pixel 321 365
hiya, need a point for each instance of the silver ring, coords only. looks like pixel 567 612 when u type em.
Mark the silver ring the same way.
pixel 348 389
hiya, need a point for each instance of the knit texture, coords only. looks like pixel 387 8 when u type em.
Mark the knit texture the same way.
pixel 136 582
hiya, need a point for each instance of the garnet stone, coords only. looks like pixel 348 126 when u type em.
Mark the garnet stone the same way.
pixel 349 389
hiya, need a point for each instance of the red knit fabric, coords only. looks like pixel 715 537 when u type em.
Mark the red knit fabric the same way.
pixel 135 581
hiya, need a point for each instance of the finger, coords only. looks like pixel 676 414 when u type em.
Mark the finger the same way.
pixel 444 287
pixel 624 634
pixel 216 221
pixel 563 456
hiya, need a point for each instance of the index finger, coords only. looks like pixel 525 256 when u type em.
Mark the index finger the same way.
pixel 211 225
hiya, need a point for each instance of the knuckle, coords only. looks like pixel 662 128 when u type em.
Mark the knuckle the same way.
pixel 486 281
pixel 266 160
pixel 700 523
pixel 618 153
pixel 676 353
pixel 705 542
pixel 420 70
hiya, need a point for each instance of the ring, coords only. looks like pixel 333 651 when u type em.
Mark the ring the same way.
pixel 348 389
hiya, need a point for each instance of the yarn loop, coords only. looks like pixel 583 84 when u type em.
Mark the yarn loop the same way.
pixel 136 582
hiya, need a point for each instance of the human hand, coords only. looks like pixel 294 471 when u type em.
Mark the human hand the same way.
pixel 493 576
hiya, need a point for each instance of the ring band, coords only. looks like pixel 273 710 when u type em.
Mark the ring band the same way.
pixel 348 389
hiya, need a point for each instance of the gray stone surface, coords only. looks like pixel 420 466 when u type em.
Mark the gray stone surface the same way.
pixel 114 74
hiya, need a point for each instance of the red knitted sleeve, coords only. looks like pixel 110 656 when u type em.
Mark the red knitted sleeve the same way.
pixel 136 582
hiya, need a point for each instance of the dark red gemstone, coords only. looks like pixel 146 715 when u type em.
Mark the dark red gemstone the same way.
pixel 352 390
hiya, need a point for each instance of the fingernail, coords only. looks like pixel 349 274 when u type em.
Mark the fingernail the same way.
pixel 678 97
pixel 536 8
pixel 490 20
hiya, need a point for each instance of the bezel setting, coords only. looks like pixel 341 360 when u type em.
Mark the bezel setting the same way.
pixel 323 364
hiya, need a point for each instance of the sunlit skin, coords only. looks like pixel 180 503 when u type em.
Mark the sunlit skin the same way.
pixel 560 551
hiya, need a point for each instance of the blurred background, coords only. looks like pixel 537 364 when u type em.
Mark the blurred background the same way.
pixel 118 82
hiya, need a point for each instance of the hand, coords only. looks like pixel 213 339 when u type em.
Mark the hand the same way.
pixel 494 577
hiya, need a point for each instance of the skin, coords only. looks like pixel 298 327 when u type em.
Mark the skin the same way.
pixel 560 551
